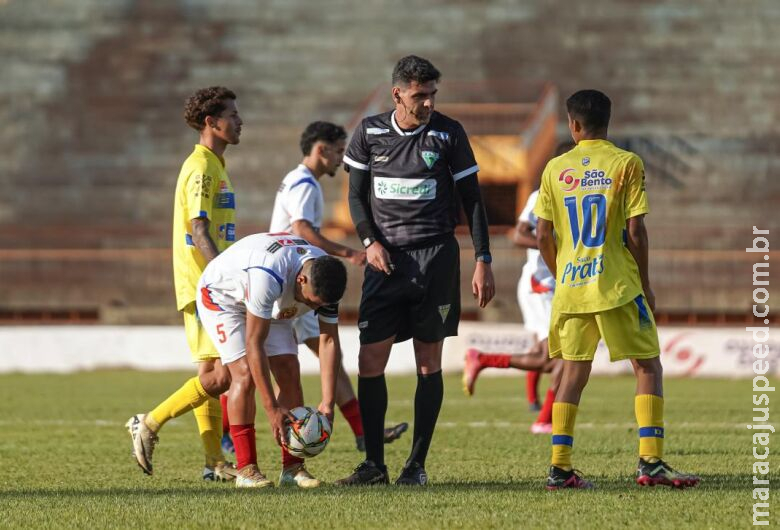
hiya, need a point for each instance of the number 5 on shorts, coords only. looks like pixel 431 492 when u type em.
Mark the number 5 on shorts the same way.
pixel 221 333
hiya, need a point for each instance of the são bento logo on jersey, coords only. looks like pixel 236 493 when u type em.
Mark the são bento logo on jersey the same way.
pixel 593 179
pixel 567 181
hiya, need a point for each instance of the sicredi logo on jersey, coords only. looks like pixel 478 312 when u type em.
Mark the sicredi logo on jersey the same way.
pixel 593 179
pixel 404 189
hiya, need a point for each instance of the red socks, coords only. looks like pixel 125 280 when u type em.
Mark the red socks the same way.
pixel 545 415
pixel 532 386
pixel 289 460
pixel 351 412
pixel 244 442
pixel 225 419
pixel 494 360
pixel 246 449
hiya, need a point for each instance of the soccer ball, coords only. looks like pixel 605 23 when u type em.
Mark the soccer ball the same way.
pixel 309 434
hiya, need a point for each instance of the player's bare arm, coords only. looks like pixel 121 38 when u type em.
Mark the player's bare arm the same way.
pixel 377 255
pixel 304 228
pixel 523 235
pixel 546 243
pixel 330 361
pixel 256 332
pixel 201 238
pixel 638 245
pixel 483 285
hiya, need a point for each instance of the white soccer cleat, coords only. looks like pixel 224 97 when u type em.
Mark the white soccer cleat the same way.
pixel 222 472
pixel 299 476
pixel 144 441
pixel 251 477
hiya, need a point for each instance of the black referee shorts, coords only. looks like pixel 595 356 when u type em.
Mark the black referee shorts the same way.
pixel 420 299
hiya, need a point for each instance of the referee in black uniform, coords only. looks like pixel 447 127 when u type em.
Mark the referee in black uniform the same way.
pixel 404 166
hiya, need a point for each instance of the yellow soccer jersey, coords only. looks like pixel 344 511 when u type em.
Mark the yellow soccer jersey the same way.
pixel 203 190
pixel 588 193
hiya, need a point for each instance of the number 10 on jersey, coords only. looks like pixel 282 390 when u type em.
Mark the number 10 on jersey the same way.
pixel 591 236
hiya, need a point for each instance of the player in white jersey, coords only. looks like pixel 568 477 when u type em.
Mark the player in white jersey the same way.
pixel 536 286
pixel 298 209
pixel 247 299
pixel 534 294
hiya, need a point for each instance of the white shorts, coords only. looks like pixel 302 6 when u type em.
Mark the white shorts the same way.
pixel 227 330
pixel 536 307
pixel 307 327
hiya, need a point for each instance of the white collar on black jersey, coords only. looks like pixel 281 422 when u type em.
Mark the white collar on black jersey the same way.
pixel 401 131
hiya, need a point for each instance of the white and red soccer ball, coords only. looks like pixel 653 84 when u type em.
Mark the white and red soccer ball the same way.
pixel 308 434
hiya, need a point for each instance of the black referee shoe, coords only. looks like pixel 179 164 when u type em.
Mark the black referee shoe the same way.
pixel 413 474
pixel 366 474
pixel 393 433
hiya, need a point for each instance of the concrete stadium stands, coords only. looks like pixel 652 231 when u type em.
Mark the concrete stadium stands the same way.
pixel 91 100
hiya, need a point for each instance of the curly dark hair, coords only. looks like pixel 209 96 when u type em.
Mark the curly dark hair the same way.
pixel 205 102
pixel 324 131
pixel 328 278
pixel 413 68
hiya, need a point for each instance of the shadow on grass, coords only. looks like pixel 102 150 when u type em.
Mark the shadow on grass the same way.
pixel 717 482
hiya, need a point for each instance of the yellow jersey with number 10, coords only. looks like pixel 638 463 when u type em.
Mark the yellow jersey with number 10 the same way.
pixel 202 190
pixel 588 194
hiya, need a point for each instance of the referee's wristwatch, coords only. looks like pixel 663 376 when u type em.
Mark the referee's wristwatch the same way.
pixel 367 241
pixel 485 258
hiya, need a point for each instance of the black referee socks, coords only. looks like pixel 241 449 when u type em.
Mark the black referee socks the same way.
pixel 372 396
pixel 427 404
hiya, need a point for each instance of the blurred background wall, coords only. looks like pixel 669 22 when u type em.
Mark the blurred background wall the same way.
pixel 91 98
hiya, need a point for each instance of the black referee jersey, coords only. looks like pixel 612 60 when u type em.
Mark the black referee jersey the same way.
pixel 413 175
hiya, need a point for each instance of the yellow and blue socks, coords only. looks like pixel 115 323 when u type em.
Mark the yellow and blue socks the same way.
pixel 649 410
pixel 191 395
pixel 564 416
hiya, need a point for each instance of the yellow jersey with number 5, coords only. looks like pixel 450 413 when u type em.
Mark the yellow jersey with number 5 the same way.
pixel 588 194
pixel 202 190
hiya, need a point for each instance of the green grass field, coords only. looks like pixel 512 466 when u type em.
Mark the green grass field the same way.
pixel 66 461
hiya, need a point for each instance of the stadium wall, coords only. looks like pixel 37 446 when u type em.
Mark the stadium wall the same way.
pixel 89 173
pixel 686 351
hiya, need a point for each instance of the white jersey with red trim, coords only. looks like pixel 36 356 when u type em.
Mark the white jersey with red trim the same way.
pixel 542 280
pixel 258 274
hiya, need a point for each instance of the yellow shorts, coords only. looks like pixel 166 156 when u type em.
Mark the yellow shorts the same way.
pixel 629 332
pixel 201 347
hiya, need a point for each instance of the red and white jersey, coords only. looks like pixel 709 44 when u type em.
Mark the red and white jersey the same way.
pixel 257 274
pixel 542 280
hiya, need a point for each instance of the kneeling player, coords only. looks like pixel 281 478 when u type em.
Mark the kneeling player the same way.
pixel 247 298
